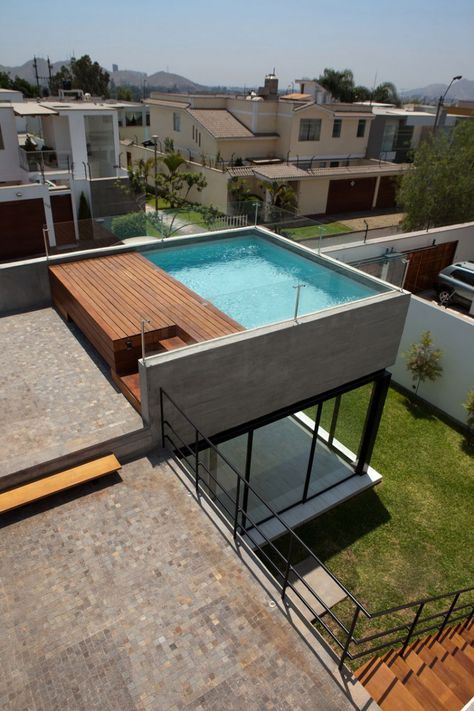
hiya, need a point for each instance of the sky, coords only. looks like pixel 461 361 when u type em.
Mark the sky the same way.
pixel 216 42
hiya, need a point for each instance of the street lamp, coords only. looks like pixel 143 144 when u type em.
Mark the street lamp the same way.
pixel 441 101
pixel 155 145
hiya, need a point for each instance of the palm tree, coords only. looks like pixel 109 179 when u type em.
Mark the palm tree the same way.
pixel 339 83
pixel 386 93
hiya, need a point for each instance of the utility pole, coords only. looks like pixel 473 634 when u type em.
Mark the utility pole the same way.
pixel 35 65
pixel 49 75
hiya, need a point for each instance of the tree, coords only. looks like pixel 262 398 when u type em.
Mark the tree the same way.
pixel 83 74
pixel 439 188
pixel 423 361
pixel 18 84
pixel 124 93
pixel 174 181
pixel 339 83
pixel 281 195
pixel 386 93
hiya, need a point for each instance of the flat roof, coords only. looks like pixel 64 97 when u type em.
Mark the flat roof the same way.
pixel 31 108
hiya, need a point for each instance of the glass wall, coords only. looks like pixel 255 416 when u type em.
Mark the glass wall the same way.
pixel 100 146
pixel 286 464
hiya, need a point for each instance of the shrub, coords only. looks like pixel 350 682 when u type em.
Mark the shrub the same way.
pixel 131 225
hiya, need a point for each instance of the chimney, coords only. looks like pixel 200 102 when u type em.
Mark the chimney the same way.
pixel 270 88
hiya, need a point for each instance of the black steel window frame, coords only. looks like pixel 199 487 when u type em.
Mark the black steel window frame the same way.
pixel 380 381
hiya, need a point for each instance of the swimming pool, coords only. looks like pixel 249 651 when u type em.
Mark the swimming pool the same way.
pixel 253 279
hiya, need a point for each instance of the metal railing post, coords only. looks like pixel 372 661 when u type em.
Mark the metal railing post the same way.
pixel 162 419
pixel 236 517
pixel 448 614
pixel 349 637
pixel 288 568
pixel 298 288
pixel 196 459
pixel 412 627
pixel 256 213
pixel 142 330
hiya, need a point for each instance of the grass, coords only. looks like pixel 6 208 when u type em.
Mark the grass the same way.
pixel 331 228
pixel 410 537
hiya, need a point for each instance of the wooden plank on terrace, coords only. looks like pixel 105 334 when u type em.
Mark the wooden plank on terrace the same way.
pixel 107 297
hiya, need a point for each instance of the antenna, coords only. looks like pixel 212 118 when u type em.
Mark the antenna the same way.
pixel 373 88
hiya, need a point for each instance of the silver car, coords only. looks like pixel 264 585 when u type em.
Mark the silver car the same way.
pixel 456 283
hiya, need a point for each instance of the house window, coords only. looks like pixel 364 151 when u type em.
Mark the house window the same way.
pixel 310 129
pixel 176 121
pixel 334 164
pixel 336 128
pixel 361 128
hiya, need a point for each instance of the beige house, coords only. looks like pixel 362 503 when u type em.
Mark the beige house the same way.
pixel 303 139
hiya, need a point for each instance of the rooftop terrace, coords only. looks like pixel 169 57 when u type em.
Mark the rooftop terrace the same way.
pixel 115 606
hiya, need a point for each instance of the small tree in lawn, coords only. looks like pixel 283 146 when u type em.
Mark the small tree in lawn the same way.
pixel 469 406
pixel 423 361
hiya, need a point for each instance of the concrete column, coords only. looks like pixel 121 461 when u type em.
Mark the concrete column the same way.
pixel 376 191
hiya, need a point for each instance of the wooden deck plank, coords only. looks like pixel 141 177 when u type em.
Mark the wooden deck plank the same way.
pixel 109 296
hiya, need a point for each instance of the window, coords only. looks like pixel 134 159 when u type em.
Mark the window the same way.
pixel 465 277
pixel 176 121
pixel 334 164
pixel 361 128
pixel 336 128
pixel 310 129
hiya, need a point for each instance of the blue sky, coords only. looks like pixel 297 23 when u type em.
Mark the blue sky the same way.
pixel 410 42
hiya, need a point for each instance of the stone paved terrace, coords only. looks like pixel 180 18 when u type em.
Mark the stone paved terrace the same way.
pixel 55 398
pixel 126 596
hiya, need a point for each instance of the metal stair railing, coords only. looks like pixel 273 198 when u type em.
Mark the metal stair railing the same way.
pixel 284 571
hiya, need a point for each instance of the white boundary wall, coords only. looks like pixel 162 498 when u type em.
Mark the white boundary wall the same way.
pixel 353 251
pixel 454 335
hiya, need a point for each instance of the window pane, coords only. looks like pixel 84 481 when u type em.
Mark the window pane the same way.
pixel 310 129
pixel 361 128
pixel 336 128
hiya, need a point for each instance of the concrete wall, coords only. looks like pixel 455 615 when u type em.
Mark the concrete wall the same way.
pixel 9 159
pixel 24 286
pixel 454 335
pixel 350 249
pixel 229 381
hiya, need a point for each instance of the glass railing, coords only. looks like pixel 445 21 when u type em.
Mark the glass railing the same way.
pixel 43 161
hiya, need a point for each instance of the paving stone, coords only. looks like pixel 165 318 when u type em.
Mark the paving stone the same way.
pixel 56 394
pixel 127 597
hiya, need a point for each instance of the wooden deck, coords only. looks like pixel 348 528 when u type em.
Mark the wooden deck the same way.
pixel 107 298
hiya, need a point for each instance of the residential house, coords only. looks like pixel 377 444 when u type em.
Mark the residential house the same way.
pixel 304 139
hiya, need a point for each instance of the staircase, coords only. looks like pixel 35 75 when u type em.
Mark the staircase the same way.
pixel 433 674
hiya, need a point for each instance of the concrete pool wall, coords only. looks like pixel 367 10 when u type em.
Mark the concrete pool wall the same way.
pixel 232 380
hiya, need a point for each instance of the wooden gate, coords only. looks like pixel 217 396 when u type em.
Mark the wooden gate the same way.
pixel 350 195
pixel 425 264
pixel 21 229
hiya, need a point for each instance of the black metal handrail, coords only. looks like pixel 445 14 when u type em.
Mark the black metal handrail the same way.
pixel 284 576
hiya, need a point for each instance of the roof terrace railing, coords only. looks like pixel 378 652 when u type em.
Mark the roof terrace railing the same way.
pixel 282 565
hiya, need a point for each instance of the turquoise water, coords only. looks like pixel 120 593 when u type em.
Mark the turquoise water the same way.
pixel 252 279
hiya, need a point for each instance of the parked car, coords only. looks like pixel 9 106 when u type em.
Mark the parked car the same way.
pixel 456 283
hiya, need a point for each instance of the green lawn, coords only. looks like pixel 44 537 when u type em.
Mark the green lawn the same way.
pixel 299 233
pixel 411 536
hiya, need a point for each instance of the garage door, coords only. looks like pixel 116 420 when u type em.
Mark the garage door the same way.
pixel 387 192
pixel 21 229
pixel 425 265
pixel 350 195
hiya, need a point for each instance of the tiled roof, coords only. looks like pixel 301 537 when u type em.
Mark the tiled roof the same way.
pixel 280 171
pixel 221 123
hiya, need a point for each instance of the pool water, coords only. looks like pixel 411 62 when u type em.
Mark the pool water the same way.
pixel 253 279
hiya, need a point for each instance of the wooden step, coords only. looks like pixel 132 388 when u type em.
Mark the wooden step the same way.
pixel 389 692
pixel 129 385
pixel 444 666
pixel 418 686
pixel 463 644
pixel 169 344
pixel 26 493
pixel 457 653
pixel 443 692
pixel 466 631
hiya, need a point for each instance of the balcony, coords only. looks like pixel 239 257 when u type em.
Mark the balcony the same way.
pixel 45 161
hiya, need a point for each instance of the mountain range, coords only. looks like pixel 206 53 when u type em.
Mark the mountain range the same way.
pixel 122 77
pixel 460 90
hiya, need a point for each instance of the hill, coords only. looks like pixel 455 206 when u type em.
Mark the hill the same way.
pixel 460 90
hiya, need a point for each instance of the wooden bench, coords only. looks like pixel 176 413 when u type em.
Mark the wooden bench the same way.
pixel 52 484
